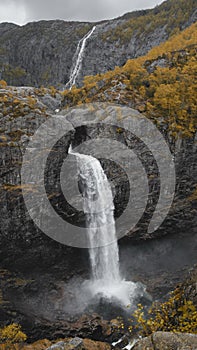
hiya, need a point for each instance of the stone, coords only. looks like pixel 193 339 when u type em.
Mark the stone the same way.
pixel 57 346
pixel 51 102
pixel 167 341
pixel 80 344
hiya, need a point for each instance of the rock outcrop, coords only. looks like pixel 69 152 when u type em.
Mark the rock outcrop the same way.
pixel 165 340
pixel 80 344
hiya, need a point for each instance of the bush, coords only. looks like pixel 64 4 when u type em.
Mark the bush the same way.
pixel 3 84
pixel 175 315
pixel 12 334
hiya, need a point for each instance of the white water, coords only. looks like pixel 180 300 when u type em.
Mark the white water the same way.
pixel 99 209
pixel 104 254
pixel 78 59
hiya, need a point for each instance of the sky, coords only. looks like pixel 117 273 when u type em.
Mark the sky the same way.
pixel 23 11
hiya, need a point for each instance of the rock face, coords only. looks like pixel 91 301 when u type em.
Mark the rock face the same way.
pixel 42 53
pixel 17 132
pixel 34 291
pixel 162 341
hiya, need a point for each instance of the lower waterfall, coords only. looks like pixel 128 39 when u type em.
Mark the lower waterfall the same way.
pixel 99 210
pixel 103 252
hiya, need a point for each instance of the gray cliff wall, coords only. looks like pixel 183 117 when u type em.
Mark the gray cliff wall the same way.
pixel 19 232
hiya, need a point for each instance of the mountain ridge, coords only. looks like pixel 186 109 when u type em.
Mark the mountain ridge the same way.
pixel 41 53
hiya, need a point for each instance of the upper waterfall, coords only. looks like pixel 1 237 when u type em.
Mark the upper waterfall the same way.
pixel 99 210
pixel 78 58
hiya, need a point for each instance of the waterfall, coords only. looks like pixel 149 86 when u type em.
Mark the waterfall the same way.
pixel 78 58
pixel 99 210
pixel 104 252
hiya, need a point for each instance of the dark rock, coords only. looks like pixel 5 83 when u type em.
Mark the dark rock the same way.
pixel 122 343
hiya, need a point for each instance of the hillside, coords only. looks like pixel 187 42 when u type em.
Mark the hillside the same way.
pixel 41 53
pixel 161 84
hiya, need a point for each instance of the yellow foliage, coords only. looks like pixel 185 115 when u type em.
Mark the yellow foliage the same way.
pixel 193 196
pixel 176 42
pixel 175 315
pixel 31 102
pixel 53 91
pixel 12 334
pixel 167 92
pixel 3 84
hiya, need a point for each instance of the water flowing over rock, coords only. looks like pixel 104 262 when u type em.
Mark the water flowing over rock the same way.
pixel 104 252
pixel 99 210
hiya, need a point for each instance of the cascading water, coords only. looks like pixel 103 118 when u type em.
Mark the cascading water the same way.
pixel 99 210
pixel 104 253
pixel 78 58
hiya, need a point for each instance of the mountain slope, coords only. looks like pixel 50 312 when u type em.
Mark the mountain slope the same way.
pixel 41 53
pixel 161 84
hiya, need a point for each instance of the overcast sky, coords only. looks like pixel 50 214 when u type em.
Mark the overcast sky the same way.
pixel 23 11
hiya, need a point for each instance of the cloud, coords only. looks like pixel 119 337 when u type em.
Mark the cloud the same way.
pixel 12 11
pixel 22 11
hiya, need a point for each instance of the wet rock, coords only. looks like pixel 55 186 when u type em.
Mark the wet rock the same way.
pixel 121 343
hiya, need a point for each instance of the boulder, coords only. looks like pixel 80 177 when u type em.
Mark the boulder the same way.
pixel 73 344
pixel 168 341
pixel 79 344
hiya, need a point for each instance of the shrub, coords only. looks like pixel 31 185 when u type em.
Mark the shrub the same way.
pixel 3 84
pixel 12 334
pixel 174 315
